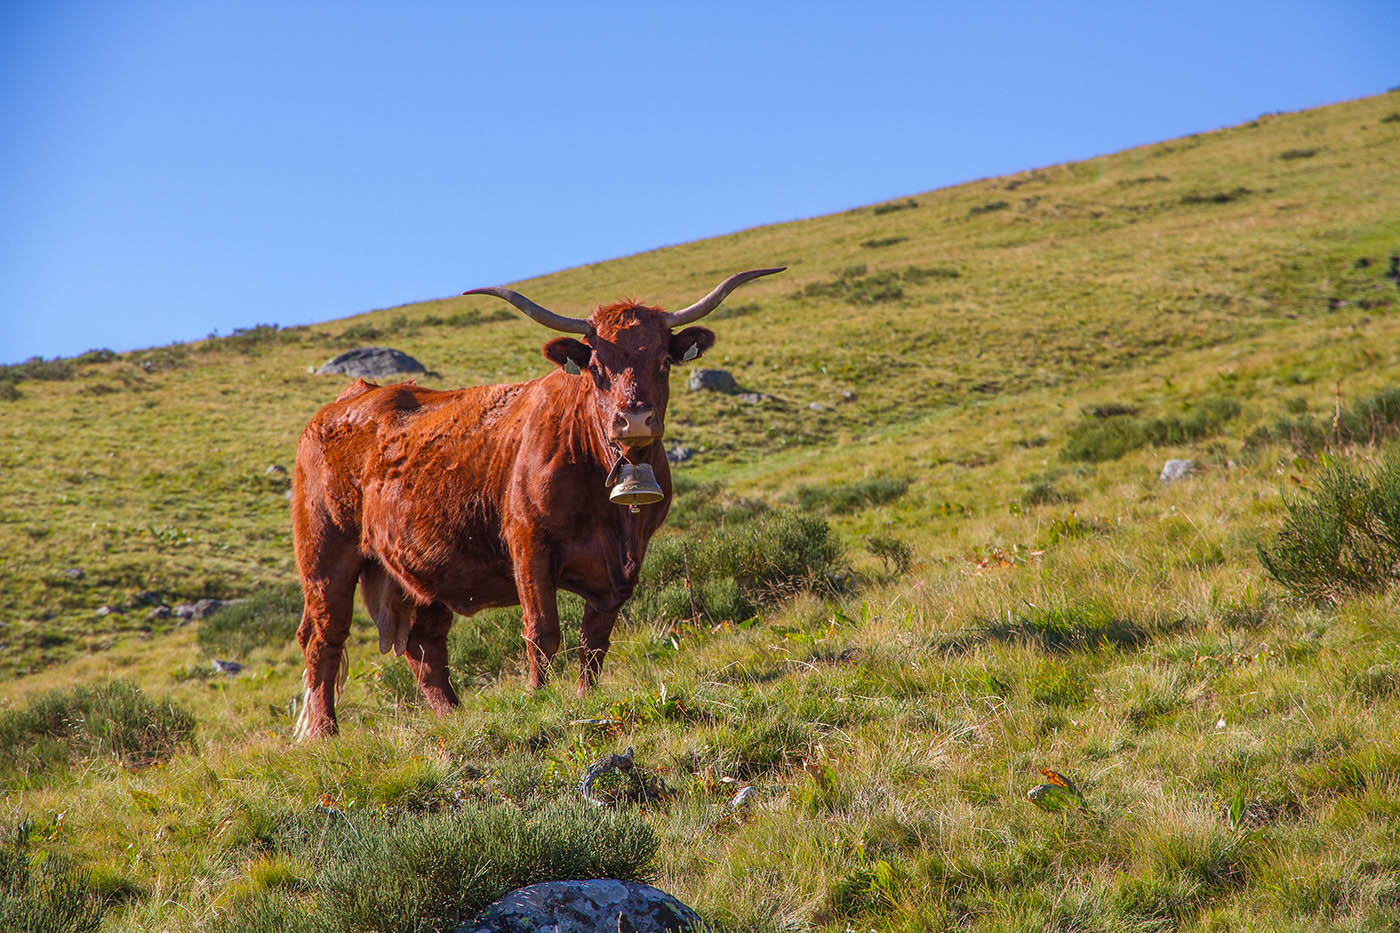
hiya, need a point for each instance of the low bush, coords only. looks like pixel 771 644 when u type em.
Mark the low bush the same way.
pixel 1370 420
pixel 906 204
pixel 268 617
pixel 849 497
pixel 1216 197
pixel 1096 439
pixel 36 367
pixel 110 719
pixel 44 894
pixel 732 570
pixel 896 555
pixel 412 873
pixel 988 208
pixel 880 242
pixel 1289 154
pixel 1342 534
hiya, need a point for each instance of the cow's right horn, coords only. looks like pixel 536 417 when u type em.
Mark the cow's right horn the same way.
pixel 569 325
pixel 711 301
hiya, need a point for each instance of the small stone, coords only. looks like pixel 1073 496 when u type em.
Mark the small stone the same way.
pixel 1174 470
pixel 74 573
pixel 160 612
pixel 227 667
pixel 206 608
pixel 578 906
pixel 105 610
pixel 753 398
pixel 276 469
pixel 848 395
pixel 678 453
pixel 713 380
pixel 817 406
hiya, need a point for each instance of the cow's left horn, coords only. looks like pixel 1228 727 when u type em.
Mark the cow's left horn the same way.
pixel 711 301
pixel 569 325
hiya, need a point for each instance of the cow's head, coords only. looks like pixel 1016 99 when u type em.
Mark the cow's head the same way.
pixel 627 349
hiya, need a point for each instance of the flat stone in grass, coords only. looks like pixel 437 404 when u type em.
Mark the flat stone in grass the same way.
pixel 1174 470
pixel 371 363
pixel 584 907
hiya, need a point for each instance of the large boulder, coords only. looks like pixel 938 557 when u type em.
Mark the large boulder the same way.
pixel 713 380
pixel 586 907
pixel 371 363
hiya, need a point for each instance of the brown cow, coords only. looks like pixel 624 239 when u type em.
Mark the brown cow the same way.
pixel 451 502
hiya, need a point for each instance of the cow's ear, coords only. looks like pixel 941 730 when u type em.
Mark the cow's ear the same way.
pixel 691 342
pixel 568 353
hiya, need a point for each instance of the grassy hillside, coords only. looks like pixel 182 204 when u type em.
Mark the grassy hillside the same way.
pixel 970 394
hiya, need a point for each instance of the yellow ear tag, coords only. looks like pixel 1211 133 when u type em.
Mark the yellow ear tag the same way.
pixel 571 367
pixel 691 353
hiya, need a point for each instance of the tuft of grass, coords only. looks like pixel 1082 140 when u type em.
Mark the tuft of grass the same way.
pixel 267 618
pixel 1108 437
pixel 1369 420
pixel 906 204
pixel 44 892
pixel 108 719
pixel 1289 154
pixel 988 208
pixel 842 498
pixel 1216 197
pixel 1342 534
pixel 412 873
pixel 735 569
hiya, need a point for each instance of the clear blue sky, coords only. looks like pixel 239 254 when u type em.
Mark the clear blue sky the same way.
pixel 171 169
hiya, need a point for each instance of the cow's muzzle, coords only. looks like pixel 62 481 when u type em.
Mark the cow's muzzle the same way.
pixel 636 427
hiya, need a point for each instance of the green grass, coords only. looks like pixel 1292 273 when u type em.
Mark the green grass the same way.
pixel 960 604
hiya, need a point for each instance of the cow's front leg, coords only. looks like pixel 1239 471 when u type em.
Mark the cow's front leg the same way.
pixel 427 656
pixel 540 608
pixel 595 634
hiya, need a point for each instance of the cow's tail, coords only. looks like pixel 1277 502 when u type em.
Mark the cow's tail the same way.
pixel 302 729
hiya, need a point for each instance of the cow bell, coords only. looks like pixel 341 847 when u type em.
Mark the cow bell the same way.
pixel 636 486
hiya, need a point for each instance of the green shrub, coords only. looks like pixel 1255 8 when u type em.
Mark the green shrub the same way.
pixel 734 569
pixel 111 718
pixel 894 553
pixel 9 392
pixel 36 367
pixel 988 208
pixel 1342 534
pixel 848 497
pixel 1289 154
pixel 1370 420
pixel 1096 439
pixel 1216 197
pixel 268 617
pixel 412 873
pixel 45 894
pixel 906 204
pixel 883 241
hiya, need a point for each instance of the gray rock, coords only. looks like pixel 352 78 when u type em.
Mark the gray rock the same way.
pixel 199 610
pixel 227 667
pixel 678 453
pixel 585 907
pixel 74 573
pixel 371 363
pixel 817 406
pixel 713 380
pixel 1174 470
pixel 160 612
pixel 276 469
pixel 753 398
pixel 106 610
pixel 848 395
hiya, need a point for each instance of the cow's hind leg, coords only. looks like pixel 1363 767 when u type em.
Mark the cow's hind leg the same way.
pixel 416 631
pixel 595 634
pixel 328 589
pixel 427 655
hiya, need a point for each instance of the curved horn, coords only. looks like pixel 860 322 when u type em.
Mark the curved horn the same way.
pixel 569 325
pixel 711 301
